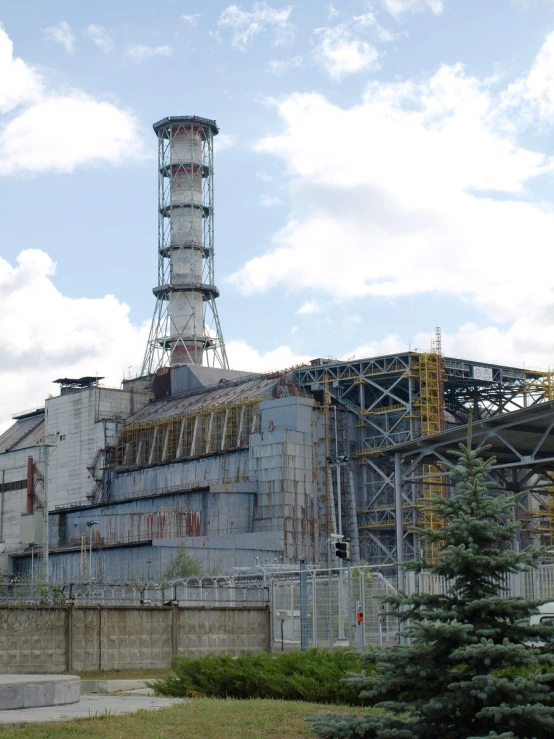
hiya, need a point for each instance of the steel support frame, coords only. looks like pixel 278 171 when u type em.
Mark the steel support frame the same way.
pixel 383 392
pixel 158 346
pixel 531 476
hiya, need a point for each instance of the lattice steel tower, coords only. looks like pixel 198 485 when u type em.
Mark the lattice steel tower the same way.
pixel 185 327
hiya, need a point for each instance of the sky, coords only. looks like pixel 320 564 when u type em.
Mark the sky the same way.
pixel 383 167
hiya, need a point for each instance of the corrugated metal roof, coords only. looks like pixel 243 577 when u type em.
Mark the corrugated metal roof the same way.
pixel 24 433
pixel 259 388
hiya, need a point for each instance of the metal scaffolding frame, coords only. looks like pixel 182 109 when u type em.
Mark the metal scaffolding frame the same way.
pixel 523 445
pixel 178 193
pixel 402 397
pixel 208 430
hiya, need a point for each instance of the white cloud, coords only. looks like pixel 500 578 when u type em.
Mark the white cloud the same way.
pixel 437 199
pixel 264 176
pixel 369 21
pixel 61 34
pixel 242 356
pixel 19 82
pixel 92 131
pixel 224 141
pixel 65 337
pixel 245 25
pixel 268 201
pixel 332 12
pixel 399 7
pixel 74 337
pixel 279 67
pixel 56 131
pixel 308 308
pixel 340 53
pixel 192 20
pixel 388 345
pixel 101 37
pixel 141 53
pixel 532 96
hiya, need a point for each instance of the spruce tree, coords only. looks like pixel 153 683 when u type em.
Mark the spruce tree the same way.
pixel 454 677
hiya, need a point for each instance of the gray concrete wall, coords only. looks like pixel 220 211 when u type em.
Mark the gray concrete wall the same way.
pixel 13 467
pixel 220 468
pixel 283 460
pixel 80 423
pixel 53 640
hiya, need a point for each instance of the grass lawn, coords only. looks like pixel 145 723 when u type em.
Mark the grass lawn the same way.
pixel 195 718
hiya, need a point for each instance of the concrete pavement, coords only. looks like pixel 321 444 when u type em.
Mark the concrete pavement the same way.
pixel 88 706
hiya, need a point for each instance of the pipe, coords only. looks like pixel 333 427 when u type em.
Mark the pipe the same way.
pixel 399 519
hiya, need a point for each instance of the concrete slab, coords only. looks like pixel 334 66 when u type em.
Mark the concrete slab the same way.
pixel 89 705
pixel 112 686
pixel 33 691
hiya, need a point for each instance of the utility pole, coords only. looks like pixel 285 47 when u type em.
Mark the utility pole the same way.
pixel 46 448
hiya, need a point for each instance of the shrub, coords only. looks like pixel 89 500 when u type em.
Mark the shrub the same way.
pixel 315 675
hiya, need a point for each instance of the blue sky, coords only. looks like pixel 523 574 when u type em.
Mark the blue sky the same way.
pixel 383 167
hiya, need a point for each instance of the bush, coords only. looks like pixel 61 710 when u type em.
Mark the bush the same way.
pixel 315 675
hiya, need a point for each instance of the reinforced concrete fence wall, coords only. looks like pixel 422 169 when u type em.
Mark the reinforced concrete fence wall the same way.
pixel 65 638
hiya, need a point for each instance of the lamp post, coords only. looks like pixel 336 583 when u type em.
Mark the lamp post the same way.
pixel 338 461
pixel 90 524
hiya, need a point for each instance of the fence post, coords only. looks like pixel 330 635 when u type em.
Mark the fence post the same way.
pixel 330 604
pixel 99 637
pixel 272 616
pixel 69 637
pixel 174 645
pixel 365 607
pixel 350 609
pixel 314 609
pixel 303 606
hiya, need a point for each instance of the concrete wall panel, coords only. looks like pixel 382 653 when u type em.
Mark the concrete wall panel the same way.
pixel 53 640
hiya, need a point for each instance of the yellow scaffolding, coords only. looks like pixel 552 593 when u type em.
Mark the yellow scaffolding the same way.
pixel 542 382
pixel 205 431
pixel 430 409
pixel 544 515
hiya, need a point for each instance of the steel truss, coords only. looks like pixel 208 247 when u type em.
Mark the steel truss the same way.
pixel 164 335
pixel 523 445
pixel 402 397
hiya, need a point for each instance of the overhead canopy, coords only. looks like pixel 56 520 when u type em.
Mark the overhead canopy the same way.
pixel 78 382
pixel 520 439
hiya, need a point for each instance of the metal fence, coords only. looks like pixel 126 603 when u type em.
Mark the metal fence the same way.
pixel 192 591
pixel 310 607
pixel 330 608
pixel 532 584
pixel 343 607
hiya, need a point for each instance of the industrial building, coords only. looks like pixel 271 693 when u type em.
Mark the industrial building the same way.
pixel 248 469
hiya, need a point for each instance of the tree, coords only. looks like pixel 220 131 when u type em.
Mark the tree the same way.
pixel 182 564
pixel 468 669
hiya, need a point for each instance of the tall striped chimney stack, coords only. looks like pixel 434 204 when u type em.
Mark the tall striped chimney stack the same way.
pixel 185 327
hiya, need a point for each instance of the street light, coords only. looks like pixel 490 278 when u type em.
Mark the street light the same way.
pixel 90 524
pixel 338 461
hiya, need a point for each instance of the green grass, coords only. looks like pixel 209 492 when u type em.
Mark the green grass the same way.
pixel 195 718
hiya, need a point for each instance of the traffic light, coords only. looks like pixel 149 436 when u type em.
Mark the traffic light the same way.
pixel 342 549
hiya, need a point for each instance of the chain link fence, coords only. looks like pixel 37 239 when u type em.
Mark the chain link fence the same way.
pixel 338 607
pixel 343 608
